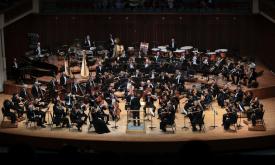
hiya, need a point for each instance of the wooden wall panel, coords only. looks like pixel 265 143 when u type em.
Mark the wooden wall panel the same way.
pixel 235 32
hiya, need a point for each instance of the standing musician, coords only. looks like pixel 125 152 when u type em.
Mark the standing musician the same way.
pixel 52 88
pixel 172 45
pixel 134 104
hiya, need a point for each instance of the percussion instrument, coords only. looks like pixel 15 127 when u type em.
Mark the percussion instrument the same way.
pixel 212 56
pixel 222 52
pixel 155 50
pixel 179 53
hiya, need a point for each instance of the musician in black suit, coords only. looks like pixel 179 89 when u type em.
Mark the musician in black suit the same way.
pixel 36 90
pixel 167 116
pixel 134 104
pixel 60 115
pixel 6 110
pixel 16 72
pixel 100 69
pixel 35 114
pixel 149 102
pixel 68 101
pixel 172 45
pixel 88 42
pixel 17 105
pixel 52 88
pixel 195 114
pixel 238 96
pixel 75 88
pixel 111 44
pixel 64 80
pixel 24 93
pixel 230 117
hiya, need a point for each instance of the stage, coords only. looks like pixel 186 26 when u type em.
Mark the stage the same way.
pixel 154 139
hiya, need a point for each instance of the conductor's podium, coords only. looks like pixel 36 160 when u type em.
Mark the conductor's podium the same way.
pixel 135 125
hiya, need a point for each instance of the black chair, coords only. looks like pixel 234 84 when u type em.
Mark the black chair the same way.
pixel 54 121
pixel 5 116
pixel 31 119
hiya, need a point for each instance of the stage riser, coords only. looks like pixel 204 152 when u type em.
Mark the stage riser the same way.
pixel 262 93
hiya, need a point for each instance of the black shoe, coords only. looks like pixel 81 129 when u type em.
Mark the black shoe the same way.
pixel 43 126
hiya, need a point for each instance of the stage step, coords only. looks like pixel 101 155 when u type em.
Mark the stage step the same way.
pixel 259 127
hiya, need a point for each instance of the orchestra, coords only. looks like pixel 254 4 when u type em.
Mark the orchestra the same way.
pixel 141 78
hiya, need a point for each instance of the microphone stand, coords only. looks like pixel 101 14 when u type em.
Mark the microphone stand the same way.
pixel 214 113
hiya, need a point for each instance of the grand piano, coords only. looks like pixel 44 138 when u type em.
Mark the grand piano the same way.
pixel 32 66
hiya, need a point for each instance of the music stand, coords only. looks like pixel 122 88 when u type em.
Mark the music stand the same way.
pixel 184 123
pixel 241 110
pixel 239 125
pixel 214 113
pixel 115 126
pixel 151 125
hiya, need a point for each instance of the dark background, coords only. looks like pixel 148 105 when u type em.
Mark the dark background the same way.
pixel 248 35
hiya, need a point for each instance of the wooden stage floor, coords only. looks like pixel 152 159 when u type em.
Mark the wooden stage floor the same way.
pixel 154 135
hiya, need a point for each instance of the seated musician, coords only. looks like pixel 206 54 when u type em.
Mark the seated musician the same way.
pixel 149 102
pixel 64 80
pixel 24 93
pixel 167 116
pixel 98 123
pixel 206 98
pixel 195 114
pixel 36 90
pixel 238 94
pixel 17 105
pixel 254 106
pixel 36 114
pixel 78 116
pixel 248 96
pixel 6 110
pixel 230 117
pixel 252 77
pixel 60 115
pixel 257 113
